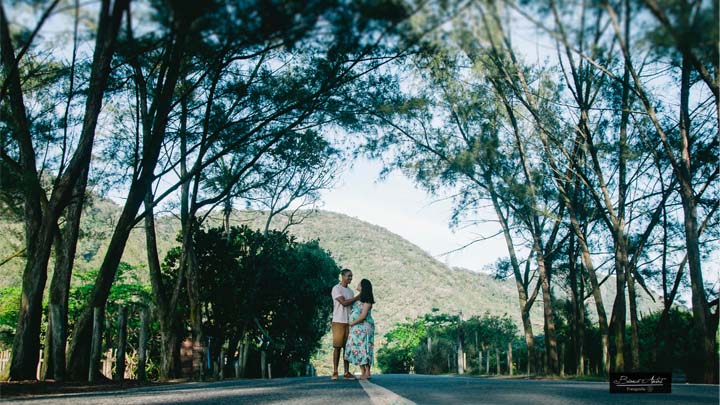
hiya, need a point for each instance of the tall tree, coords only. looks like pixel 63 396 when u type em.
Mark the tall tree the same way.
pixel 42 213
pixel 704 321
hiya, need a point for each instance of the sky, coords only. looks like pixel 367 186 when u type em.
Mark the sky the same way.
pixel 396 204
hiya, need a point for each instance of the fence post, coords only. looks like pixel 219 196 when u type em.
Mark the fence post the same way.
pixel 142 350
pixel 96 342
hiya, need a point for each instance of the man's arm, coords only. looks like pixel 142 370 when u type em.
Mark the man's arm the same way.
pixel 345 302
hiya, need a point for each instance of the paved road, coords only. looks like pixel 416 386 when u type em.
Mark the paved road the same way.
pixel 385 389
pixel 468 390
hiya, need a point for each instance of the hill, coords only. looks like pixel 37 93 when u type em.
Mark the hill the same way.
pixel 408 281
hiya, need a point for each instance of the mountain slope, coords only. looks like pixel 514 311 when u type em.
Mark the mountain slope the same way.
pixel 408 282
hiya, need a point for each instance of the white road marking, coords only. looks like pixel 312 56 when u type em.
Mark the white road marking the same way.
pixel 383 396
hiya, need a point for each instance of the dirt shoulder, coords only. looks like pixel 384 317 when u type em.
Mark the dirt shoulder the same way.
pixel 27 389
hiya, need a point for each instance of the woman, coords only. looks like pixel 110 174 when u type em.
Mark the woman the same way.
pixel 361 342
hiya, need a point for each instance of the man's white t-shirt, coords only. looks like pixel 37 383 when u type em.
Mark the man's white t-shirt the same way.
pixel 341 313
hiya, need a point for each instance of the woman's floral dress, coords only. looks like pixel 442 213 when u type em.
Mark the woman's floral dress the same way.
pixel 361 342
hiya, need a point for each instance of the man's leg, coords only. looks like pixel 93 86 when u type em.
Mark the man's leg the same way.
pixel 336 360
pixel 338 332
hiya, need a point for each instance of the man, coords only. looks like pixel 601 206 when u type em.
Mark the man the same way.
pixel 342 298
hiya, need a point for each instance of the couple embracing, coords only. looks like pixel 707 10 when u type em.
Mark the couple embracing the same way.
pixel 353 327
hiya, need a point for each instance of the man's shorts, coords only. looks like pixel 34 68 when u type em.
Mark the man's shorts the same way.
pixel 340 332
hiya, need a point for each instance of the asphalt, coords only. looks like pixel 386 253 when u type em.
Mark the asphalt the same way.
pixel 384 389
pixel 315 391
pixel 469 390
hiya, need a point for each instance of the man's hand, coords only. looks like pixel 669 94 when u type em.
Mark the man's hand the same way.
pixel 346 302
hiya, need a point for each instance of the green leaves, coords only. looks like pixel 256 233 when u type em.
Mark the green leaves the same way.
pixel 10 298
pixel 266 284
pixel 425 344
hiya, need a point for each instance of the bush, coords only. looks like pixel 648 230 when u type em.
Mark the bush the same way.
pixel 9 310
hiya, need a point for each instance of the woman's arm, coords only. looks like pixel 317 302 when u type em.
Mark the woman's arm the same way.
pixel 363 314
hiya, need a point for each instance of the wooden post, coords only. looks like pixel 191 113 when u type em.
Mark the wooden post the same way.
pixel 142 350
pixel 509 359
pixel 121 343
pixel 95 345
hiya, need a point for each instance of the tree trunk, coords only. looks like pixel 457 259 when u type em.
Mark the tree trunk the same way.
pixel 41 225
pixel 622 271
pixel 574 303
pixel 682 171
pixel 96 345
pixel 480 362
pixel 46 366
pixel 26 343
pixel 702 319
pixel 243 363
pixel 510 359
pixel 634 336
pixel 165 301
pixel 233 355
pixel 581 329
pixel 263 364
pixel 460 355
pixel 60 284
pixel 487 362
pixel 78 353
pixel 121 344
pixel 548 316
pixel 520 284
pixel 78 356
pixel 193 289
pixel 618 318
pixel 169 355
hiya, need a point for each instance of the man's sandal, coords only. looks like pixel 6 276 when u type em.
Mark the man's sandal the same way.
pixel 349 376
pixel 334 377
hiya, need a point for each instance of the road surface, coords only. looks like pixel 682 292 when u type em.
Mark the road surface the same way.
pixel 383 389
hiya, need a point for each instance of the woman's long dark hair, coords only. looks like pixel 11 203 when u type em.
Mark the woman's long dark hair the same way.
pixel 366 293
